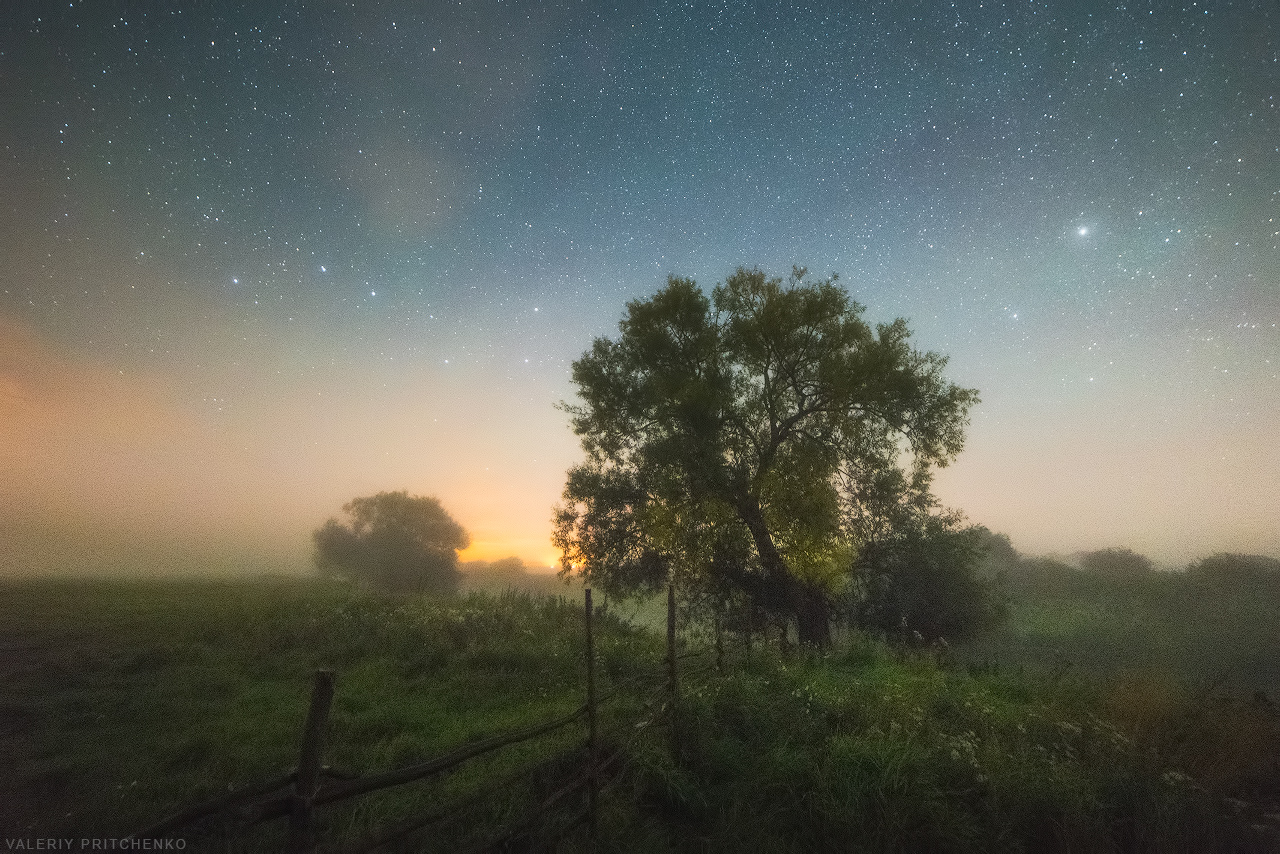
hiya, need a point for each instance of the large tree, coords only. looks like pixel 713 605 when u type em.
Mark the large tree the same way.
pixel 751 442
pixel 395 542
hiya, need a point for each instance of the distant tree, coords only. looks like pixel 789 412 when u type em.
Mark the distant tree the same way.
pixel 1225 566
pixel 509 570
pixel 1117 564
pixel 998 556
pixel 1043 576
pixel 509 565
pixel 395 542
pixel 730 440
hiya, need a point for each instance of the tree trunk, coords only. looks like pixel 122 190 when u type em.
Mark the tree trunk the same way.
pixel 809 604
pixel 777 574
pixel 813 616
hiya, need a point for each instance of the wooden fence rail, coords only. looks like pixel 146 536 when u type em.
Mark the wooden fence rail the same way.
pixel 222 803
pixel 441 764
pixel 298 793
pixel 405 828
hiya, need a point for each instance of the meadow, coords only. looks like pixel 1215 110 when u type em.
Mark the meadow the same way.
pixel 1207 631
pixel 126 701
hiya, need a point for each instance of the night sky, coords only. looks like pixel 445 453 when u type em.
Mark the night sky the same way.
pixel 259 259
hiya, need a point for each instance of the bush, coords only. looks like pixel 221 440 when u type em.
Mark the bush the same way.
pixel 924 581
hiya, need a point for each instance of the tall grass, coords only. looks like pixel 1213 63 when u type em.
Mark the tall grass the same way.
pixel 890 753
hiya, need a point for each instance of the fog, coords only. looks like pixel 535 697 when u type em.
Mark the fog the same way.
pixel 111 471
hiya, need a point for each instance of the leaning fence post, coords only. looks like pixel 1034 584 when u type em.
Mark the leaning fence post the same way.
pixel 672 684
pixel 309 761
pixel 591 721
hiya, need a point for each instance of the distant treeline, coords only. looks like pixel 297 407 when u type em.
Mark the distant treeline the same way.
pixel 1113 569
pixel 511 573
pixel 1215 623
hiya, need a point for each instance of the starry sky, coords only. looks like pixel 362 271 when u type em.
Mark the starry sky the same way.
pixel 257 259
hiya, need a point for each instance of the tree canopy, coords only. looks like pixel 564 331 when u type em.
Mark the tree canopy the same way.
pixel 753 443
pixel 1236 568
pixel 1117 564
pixel 921 580
pixel 395 542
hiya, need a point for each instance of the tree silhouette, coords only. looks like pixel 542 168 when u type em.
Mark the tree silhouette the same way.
pixel 742 440
pixel 920 581
pixel 1117 564
pixel 1236 568
pixel 393 542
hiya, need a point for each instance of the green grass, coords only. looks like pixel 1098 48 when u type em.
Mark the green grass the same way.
pixel 1223 635
pixel 126 701
pixel 879 752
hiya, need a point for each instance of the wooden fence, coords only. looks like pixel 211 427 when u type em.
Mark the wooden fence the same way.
pixel 298 794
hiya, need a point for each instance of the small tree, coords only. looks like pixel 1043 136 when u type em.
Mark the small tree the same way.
pixel 395 542
pixel 922 580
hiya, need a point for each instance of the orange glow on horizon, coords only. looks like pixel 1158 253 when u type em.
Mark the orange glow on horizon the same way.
pixel 534 558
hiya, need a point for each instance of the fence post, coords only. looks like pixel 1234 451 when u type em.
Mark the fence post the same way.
pixel 672 682
pixel 591 721
pixel 309 763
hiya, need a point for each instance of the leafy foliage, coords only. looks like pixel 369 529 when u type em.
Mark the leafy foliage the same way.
pixel 1117 564
pixel 921 582
pixel 1228 567
pixel 751 444
pixel 880 752
pixel 393 542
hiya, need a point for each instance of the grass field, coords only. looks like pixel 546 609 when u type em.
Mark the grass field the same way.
pixel 1225 635
pixel 125 701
